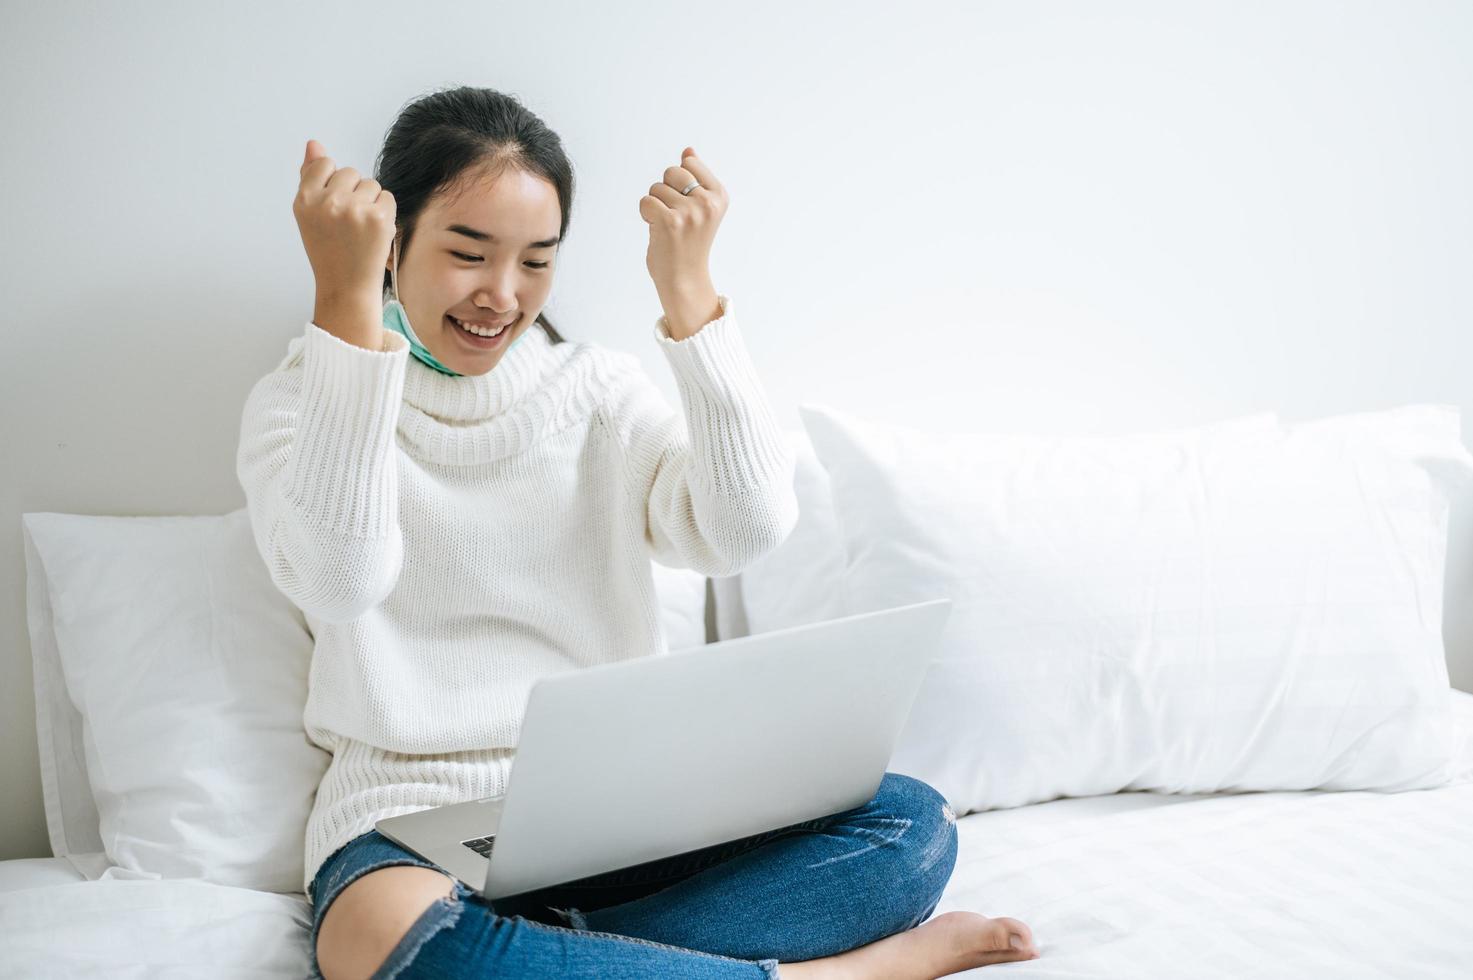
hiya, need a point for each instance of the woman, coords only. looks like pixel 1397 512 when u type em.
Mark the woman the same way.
pixel 460 502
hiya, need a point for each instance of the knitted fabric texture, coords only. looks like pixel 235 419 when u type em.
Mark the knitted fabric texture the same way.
pixel 451 539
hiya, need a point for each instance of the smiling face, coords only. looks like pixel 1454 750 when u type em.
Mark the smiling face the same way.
pixel 481 254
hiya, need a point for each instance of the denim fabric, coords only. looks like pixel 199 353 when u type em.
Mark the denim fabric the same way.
pixel 737 909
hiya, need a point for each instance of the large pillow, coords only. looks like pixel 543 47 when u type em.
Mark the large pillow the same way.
pixel 1235 607
pixel 71 815
pixel 188 671
pixel 170 679
pixel 682 596
pixel 794 584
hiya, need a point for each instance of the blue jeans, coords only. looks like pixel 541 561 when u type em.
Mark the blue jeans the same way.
pixel 800 892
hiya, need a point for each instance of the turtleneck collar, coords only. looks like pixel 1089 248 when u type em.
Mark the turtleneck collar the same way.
pixel 470 399
pixel 536 389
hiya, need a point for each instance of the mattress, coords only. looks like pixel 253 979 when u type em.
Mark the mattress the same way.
pixel 1296 885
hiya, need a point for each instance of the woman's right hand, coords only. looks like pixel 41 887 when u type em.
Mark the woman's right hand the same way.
pixel 347 226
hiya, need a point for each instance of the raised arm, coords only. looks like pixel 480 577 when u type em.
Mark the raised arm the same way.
pixel 317 461
pixel 717 482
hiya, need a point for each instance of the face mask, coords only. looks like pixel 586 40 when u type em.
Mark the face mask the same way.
pixel 397 320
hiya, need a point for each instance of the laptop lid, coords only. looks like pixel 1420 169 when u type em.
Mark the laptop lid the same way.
pixel 628 762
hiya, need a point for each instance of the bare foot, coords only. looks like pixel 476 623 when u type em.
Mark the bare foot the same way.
pixel 942 945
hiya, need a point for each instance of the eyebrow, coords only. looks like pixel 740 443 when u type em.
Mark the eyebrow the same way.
pixel 482 236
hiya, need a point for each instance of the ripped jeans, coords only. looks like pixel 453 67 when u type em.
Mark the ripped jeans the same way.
pixel 736 909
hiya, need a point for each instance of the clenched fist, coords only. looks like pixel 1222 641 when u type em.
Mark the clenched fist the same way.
pixel 682 227
pixel 347 226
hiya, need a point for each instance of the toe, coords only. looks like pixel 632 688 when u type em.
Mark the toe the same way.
pixel 1020 937
pixel 982 941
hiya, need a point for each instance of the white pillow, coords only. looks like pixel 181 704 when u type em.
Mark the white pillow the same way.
pixel 167 661
pixel 71 816
pixel 682 595
pixel 188 669
pixel 1225 608
pixel 794 584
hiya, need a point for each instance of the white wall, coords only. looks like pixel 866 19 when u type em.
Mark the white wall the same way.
pixel 1061 217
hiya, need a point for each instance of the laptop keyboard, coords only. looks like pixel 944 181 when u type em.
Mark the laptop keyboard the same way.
pixel 481 845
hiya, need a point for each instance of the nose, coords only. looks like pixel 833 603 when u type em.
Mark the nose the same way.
pixel 501 300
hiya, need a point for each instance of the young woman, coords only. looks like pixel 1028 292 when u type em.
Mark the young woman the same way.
pixel 460 501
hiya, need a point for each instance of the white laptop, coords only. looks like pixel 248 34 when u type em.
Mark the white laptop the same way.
pixel 628 762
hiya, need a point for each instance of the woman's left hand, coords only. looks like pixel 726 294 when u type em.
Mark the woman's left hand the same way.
pixel 682 227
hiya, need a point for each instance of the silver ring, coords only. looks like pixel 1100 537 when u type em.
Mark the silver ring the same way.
pixel 691 186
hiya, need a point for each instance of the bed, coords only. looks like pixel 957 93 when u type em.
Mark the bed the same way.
pixel 1138 884
pixel 1321 663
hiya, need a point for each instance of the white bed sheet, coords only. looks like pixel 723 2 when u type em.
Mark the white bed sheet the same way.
pixel 1141 885
pixel 142 928
pixel 1339 885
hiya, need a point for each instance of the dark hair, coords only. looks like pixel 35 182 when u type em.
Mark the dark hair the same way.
pixel 454 135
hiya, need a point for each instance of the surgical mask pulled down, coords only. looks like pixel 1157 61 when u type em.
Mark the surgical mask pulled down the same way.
pixel 397 320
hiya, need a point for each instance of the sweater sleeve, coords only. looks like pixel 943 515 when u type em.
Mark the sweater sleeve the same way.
pixel 317 463
pixel 719 482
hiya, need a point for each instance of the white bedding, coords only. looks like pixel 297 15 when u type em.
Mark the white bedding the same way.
pixel 1339 885
pixel 1295 885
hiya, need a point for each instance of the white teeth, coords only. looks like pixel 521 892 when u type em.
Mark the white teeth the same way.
pixel 479 331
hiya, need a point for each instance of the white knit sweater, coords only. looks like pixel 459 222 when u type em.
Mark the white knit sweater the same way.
pixel 451 539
